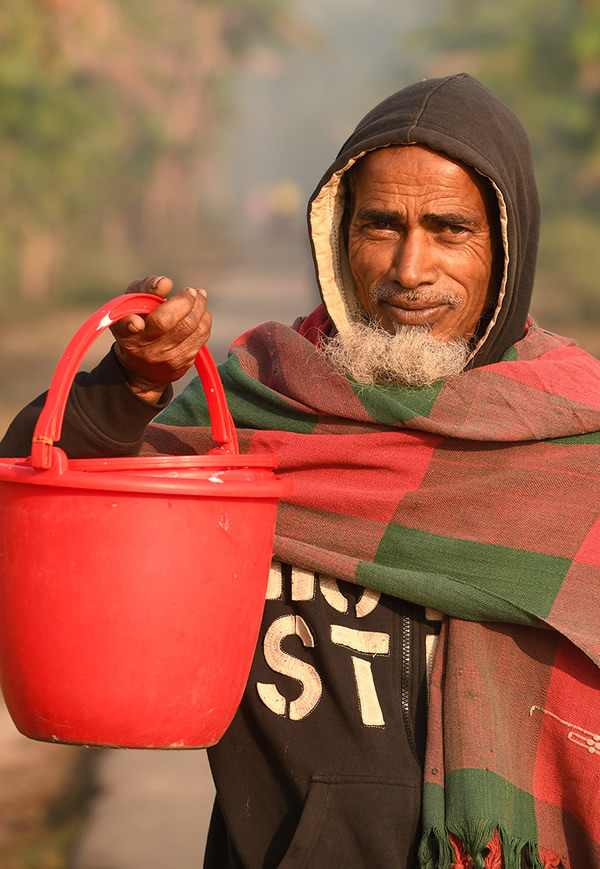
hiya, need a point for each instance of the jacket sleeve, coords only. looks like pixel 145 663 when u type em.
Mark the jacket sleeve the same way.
pixel 103 416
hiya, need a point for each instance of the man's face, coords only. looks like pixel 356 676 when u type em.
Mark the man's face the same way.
pixel 419 241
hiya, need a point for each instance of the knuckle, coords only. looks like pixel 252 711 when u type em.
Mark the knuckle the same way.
pixel 205 327
pixel 134 286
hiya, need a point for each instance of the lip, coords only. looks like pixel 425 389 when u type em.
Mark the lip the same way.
pixel 414 314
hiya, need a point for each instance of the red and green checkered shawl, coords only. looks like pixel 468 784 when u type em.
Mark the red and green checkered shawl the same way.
pixel 479 497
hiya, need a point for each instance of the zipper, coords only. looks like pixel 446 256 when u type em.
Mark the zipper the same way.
pixel 405 681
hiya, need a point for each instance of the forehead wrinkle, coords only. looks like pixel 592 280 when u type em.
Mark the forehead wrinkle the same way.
pixel 379 194
pixel 415 181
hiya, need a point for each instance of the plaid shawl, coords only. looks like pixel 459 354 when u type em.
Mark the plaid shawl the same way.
pixel 477 496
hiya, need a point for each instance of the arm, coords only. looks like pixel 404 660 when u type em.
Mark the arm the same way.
pixel 110 407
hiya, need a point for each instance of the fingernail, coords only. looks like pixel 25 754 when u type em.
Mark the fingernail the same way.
pixel 193 293
pixel 156 281
pixel 203 293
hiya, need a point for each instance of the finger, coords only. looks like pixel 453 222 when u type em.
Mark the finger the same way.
pixel 129 325
pixel 180 314
pixel 160 285
pixel 152 360
pixel 133 324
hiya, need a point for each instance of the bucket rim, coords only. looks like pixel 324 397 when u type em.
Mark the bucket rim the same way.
pixel 137 463
pixel 231 476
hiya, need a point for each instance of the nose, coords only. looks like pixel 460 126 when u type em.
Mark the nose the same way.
pixel 413 263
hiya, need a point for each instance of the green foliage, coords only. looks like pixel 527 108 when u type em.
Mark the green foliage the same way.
pixel 108 111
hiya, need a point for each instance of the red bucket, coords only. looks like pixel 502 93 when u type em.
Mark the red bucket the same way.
pixel 131 590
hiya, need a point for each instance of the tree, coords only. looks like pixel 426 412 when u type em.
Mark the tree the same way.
pixel 107 114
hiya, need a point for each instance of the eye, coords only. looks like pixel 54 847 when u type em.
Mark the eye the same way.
pixel 457 227
pixel 454 233
pixel 380 223
pixel 376 221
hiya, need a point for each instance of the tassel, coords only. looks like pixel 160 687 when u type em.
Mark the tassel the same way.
pixel 494 858
pixel 470 841
pixel 462 859
pixel 439 851
pixel 435 851
pixel 551 860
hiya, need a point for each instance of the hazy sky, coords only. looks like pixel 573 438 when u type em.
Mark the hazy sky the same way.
pixel 295 113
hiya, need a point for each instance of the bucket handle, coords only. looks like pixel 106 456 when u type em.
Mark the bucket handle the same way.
pixel 49 424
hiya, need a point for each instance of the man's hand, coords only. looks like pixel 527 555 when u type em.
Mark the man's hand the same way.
pixel 158 348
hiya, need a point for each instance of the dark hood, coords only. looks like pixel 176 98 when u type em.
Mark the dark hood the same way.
pixel 458 116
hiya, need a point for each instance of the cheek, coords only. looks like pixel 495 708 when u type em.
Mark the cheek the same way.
pixel 364 267
pixel 481 289
pixel 467 317
pixel 478 266
pixel 368 260
pixel 473 274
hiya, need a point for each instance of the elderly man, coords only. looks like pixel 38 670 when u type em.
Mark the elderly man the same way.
pixel 444 452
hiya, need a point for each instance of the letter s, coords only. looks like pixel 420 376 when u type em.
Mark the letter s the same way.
pixel 289 665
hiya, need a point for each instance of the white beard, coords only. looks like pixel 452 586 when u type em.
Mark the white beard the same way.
pixel 410 357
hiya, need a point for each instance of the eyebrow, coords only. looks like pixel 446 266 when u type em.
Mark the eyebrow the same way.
pixel 379 214
pixel 452 218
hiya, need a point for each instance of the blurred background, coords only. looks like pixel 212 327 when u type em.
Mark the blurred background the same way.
pixel 183 137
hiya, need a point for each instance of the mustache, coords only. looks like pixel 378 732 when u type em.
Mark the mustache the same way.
pixel 384 291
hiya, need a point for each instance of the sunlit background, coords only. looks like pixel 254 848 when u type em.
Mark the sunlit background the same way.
pixel 183 137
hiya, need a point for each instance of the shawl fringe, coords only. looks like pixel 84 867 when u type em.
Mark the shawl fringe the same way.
pixel 482 845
